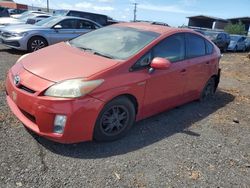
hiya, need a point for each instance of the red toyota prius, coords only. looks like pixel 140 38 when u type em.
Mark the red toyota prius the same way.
pixel 97 85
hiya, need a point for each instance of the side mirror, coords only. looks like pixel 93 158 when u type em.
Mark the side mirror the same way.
pixel 57 27
pixel 160 63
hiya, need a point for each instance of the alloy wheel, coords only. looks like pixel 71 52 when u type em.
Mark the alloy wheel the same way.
pixel 37 44
pixel 114 120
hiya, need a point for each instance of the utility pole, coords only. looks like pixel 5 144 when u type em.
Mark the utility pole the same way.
pixel 47 5
pixel 135 10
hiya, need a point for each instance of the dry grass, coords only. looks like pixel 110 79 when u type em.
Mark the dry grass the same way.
pixel 236 75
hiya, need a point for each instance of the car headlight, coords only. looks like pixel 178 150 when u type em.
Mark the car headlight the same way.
pixel 19 34
pixel 73 88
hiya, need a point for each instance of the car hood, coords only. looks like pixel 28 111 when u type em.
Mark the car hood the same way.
pixel 6 21
pixel 62 62
pixel 22 28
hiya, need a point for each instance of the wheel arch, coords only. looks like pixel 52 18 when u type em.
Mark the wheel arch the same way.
pixel 131 97
pixel 40 36
pixel 216 77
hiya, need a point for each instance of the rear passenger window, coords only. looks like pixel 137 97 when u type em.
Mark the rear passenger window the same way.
pixel 195 46
pixel 82 24
pixel 171 48
pixel 209 47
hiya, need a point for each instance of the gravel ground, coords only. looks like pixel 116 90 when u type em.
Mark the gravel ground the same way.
pixel 195 145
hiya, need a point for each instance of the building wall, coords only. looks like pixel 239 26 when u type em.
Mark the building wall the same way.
pixel 13 5
pixel 200 23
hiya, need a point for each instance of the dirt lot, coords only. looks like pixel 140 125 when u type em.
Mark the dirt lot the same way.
pixel 196 145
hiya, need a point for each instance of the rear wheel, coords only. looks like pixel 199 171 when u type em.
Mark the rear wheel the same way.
pixel 116 118
pixel 235 49
pixel 209 90
pixel 36 43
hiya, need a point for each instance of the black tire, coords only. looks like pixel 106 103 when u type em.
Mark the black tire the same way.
pixel 115 119
pixel 244 49
pixel 209 90
pixel 36 43
pixel 225 49
pixel 235 49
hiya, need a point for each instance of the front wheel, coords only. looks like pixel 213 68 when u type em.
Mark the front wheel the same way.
pixel 36 43
pixel 225 49
pixel 114 121
pixel 209 90
pixel 244 49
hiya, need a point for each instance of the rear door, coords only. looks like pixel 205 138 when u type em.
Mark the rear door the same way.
pixel 199 65
pixel 84 26
pixel 66 32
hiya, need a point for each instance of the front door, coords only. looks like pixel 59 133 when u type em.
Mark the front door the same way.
pixel 66 32
pixel 164 88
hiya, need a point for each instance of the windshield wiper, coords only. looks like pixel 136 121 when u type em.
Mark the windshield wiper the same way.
pixel 103 55
pixel 92 51
pixel 84 48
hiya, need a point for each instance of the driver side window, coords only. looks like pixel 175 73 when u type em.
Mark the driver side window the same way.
pixel 171 48
pixel 68 24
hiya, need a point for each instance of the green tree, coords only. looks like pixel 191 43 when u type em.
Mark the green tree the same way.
pixel 238 29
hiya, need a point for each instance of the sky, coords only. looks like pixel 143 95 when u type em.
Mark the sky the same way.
pixel 172 12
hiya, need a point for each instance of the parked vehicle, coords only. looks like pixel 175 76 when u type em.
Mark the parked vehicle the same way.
pixel 237 43
pixel 97 85
pixel 221 39
pixel 98 18
pixel 26 13
pixel 16 11
pixel 247 43
pixel 21 20
pixel 46 32
pixel 4 12
pixel 36 19
pixel 200 31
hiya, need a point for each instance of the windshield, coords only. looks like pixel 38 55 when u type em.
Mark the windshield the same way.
pixel 234 38
pixel 48 22
pixel 26 16
pixel 24 13
pixel 60 13
pixel 115 42
pixel 211 35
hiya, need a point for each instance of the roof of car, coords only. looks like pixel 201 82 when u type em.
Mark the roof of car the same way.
pixel 70 17
pixel 233 35
pixel 79 18
pixel 161 29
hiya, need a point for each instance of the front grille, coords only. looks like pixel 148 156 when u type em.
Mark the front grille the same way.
pixel 29 116
pixel 12 43
pixel 24 88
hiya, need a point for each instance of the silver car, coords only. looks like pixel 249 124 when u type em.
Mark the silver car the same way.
pixel 46 32
pixel 237 43
pixel 21 20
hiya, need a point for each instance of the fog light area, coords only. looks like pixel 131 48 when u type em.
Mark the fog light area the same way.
pixel 59 124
